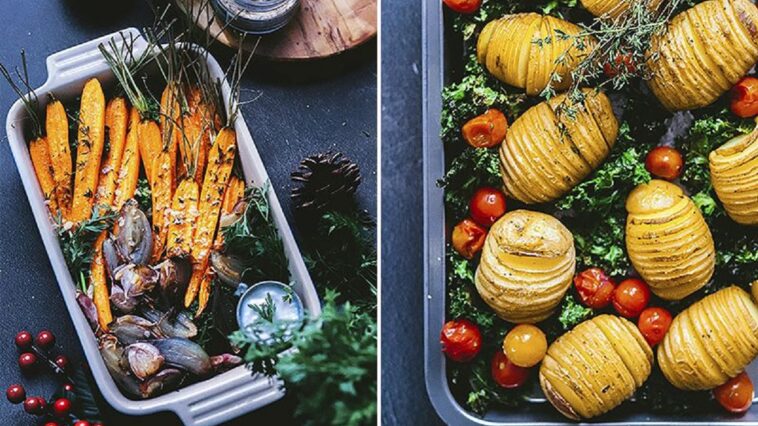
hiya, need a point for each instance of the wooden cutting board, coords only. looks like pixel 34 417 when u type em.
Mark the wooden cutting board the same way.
pixel 322 28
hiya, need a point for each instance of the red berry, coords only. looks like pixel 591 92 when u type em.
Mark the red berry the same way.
pixel 52 424
pixel 61 407
pixel 45 339
pixel 68 387
pixel 15 394
pixel 24 340
pixel 35 405
pixel 82 423
pixel 61 361
pixel 27 361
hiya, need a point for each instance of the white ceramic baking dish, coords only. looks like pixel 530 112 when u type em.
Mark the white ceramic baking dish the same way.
pixel 214 400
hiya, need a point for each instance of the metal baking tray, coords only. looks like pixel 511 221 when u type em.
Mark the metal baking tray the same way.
pixel 214 400
pixel 440 53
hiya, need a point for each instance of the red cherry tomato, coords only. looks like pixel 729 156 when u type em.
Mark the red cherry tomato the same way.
pixel 654 323
pixel 745 98
pixel 620 64
pixel 736 395
pixel 486 206
pixel 664 162
pixel 468 238
pixel 487 130
pixel 507 374
pixel 631 297
pixel 594 287
pixel 463 6
pixel 461 340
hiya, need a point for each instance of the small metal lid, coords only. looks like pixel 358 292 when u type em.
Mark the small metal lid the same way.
pixel 256 16
pixel 287 306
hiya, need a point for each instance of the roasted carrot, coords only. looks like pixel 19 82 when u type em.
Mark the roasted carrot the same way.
pixel 170 119
pixel 100 287
pixel 220 162
pixel 128 173
pixel 43 168
pixel 56 126
pixel 116 120
pixel 149 146
pixel 89 150
pixel 205 292
pixel 182 217
pixel 163 177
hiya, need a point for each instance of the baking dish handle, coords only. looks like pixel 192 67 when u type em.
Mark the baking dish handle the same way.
pixel 222 399
pixel 71 64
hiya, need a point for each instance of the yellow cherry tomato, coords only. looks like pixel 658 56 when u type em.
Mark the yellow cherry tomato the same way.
pixel 525 345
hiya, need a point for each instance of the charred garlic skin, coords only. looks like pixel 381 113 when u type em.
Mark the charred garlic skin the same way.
pixel 595 367
pixel 527 264
pixel 734 175
pixel 668 241
pixel 134 240
pixel 711 341
pixel 704 51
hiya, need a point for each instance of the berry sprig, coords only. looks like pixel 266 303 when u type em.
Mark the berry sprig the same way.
pixel 59 410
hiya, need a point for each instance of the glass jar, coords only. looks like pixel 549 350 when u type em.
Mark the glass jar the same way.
pixel 256 16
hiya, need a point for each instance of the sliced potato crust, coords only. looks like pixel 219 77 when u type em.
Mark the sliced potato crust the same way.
pixel 704 52
pixel 612 9
pixel 734 175
pixel 711 341
pixel 668 241
pixel 527 265
pixel 595 367
pixel 547 153
pixel 524 49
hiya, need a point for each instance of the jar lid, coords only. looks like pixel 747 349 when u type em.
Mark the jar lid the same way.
pixel 256 16
pixel 268 298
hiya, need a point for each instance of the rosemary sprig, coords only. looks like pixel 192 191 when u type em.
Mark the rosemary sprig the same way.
pixel 25 92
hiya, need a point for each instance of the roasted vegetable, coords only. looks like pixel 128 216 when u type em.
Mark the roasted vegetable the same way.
pixel 595 367
pixel 149 146
pixel 704 52
pixel 734 175
pixel 100 293
pixel 162 196
pixel 39 151
pixel 56 126
pixel 527 264
pixel 612 9
pixel 547 151
pixel 128 173
pixel 116 121
pixel 89 150
pixel 170 122
pixel 668 241
pixel 526 50
pixel 182 218
pixel 711 341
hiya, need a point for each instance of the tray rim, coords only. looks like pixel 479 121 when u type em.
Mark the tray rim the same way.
pixel 435 294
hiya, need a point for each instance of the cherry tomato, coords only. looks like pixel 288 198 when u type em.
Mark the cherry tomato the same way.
pixel 468 238
pixel 654 323
pixel 461 340
pixel 525 345
pixel 507 374
pixel 486 206
pixel 664 162
pixel 631 297
pixel 463 6
pixel 594 287
pixel 736 395
pixel 487 130
pixel 621 63
pixel 745 98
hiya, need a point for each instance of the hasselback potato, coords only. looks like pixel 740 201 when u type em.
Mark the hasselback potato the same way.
pixel 595 367
pixel 704 52
pixel 711 341
pixel 545 153
pixel 668 241
pixel 527 264
pixel 523 50
pixel 734 175
pixel 614 8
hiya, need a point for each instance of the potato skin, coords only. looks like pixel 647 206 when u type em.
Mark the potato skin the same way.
pixel 507 49
pixel 613 8
pixel 704 52
pixel 734 175
pixel 527 264
pixel 595 367
pixel 545 154
pixel 711 341
pixel 668 241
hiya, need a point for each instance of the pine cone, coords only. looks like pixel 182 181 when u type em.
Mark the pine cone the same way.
pixel 328 181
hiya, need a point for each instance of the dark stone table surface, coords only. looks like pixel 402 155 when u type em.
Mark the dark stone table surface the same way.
pixel 404 398
pixel 298 110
